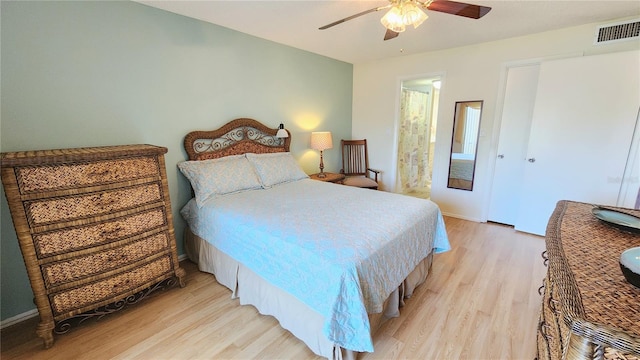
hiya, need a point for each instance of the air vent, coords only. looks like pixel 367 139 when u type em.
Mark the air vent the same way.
pixel 628 30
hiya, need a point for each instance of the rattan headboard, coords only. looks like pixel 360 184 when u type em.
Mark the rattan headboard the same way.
pixel 237 137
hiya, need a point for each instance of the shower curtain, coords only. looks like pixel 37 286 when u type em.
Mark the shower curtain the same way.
pixel 413 141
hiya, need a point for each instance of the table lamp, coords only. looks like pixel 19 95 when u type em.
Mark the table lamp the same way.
pixel 321 140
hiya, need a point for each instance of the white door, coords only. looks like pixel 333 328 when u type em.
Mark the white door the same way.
pixel 582 126
pixel 519 98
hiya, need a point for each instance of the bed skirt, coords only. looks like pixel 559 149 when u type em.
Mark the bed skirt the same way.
pixel 268 299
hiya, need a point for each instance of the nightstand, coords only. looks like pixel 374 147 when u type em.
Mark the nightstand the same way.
pixel 331 177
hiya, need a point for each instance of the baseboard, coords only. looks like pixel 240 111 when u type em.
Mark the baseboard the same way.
pixel 458 216
pixel 18 318
pixel 34 312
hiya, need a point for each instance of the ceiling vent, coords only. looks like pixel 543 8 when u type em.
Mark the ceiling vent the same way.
pixel 622 31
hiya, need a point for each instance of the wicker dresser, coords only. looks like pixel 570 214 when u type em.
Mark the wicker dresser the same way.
pixel 94 226
pixel 588 308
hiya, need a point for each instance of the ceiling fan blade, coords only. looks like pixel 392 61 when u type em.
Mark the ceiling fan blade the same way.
pixel 354 16
pixel 458 8
pixel 390 34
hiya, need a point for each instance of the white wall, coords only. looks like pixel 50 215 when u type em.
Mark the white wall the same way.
pixel 469 73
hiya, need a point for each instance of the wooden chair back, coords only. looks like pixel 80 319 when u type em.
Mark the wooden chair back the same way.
pixel 355 158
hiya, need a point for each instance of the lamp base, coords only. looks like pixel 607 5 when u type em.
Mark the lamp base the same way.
pixel 321 174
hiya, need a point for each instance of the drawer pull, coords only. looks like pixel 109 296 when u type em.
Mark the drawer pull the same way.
pixel 100 173
pixel 110 233
pixel 543 327
pixel 552 304
pixel 106 202
pixel 117 257
pixel 121 284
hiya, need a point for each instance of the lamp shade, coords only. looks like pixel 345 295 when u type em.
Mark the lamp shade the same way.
pixel 321 140
pixel 392 20
pixel 413 15
pixel 282 133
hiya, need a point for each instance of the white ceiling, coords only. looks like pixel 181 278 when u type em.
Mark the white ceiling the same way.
pixel 296 23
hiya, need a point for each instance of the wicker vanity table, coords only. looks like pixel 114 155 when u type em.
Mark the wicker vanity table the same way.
pixel 588 309
pixel 95 229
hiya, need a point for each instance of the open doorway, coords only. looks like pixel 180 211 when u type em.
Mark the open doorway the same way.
pixel 417 135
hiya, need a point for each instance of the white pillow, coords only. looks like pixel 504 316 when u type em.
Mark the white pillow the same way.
pixel 276 168
pixel 211 178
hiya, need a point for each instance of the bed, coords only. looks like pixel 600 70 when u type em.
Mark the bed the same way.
pixel 341 258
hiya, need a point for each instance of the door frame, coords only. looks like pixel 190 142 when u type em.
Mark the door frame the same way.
pixel 396 120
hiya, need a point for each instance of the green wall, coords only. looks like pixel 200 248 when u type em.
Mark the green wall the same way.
pixel 99 73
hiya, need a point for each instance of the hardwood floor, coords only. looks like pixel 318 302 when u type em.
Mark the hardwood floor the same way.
pixel 480 302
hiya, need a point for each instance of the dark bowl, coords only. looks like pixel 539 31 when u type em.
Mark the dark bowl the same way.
pixel 630 265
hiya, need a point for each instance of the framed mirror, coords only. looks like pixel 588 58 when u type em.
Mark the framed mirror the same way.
pixel 464 144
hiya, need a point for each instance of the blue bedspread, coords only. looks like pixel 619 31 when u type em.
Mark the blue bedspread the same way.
pixel 340 250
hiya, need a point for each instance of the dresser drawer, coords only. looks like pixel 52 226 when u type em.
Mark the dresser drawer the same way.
pixel 549 324
pixel 78 238
pixel 563 331
pixel 68 208
pixel 543 347
pixel 62 272
pixel 92 295
pixel 70 176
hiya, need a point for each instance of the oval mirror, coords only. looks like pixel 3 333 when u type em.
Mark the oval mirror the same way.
pixel 464 144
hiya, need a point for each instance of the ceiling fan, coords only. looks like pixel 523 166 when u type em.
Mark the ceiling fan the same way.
pixel 411 12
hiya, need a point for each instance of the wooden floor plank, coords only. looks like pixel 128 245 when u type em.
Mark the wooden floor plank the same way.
pixel 479 302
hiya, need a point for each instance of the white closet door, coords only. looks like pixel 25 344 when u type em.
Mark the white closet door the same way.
pixel 581 131
pixel 519 99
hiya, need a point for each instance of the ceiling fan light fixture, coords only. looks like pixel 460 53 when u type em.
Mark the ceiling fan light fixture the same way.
pixel 403 14
pixel 392 20
pixel 412 15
